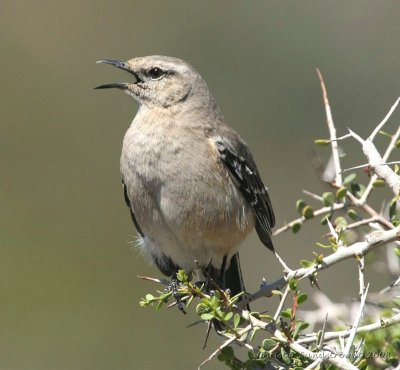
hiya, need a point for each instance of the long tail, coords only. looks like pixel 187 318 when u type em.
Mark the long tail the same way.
pixel 233 276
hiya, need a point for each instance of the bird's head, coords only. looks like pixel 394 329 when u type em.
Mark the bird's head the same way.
pixel 160 81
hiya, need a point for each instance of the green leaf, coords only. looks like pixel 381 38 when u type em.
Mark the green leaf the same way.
pixel 292 284
pixel 201 308
pixel 304 326
pixel 397 145
pixel 321 142
pixel 352 214
pixel 296 227
pixel 190 300
pixel 302 297
pixel 182 276
pixel 285 357
pixel 357 189
pixel 384 133
pixel 268 344
pixel 340 223
pixel 287 313
pixel 207 316
pixel 397 251
pixel 236 320
pixel 300 204
pixel 307 212
pixel 306 263
pixel 349 178
pixel 318 257
pixel 341 193
pixel 150 297
pixel 396 168
pixel 228 316
pixel 324 245
pixel 328 198
pixel 378 183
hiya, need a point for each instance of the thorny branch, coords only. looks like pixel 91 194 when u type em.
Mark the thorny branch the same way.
pixel 386 233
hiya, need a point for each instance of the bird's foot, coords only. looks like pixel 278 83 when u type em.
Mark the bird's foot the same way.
pixel 173 288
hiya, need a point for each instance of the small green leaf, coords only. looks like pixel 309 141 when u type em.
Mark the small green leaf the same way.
pixel 207 316
pixel 304 326
pixel 384 133
pixel 228 316
pixel 296 227
pixel 396 168
pixel 340 223
pixel 285 357
pixel 397 144
pixel 321 142
pixel 357 189
pixel 150 297
pixel 302 297
pixel 287 313
pixel 378 183
pixel 307 212
pixel 236 320
pixel 293 284
pixel 341 193
pixel 182 276
pixel 397 251
pixel 323 245
pixel 328 198
pixel 318 257
pixel 190 300
pixel 201 308
pixel 349 178
pixel 306 264
pixel 268 344
pixel 352 214
pixel 300 204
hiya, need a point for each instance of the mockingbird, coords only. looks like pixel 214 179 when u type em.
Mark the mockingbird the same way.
pixel 190 181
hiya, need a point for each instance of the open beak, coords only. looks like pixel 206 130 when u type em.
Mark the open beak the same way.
pixel 120 65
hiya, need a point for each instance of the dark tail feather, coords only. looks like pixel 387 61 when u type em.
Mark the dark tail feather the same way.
pixel 264 237
pixel 233 276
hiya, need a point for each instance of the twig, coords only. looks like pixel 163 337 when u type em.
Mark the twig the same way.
pixel 372 241
pixel 366 165
pixel 281 303
pixel 311 338
pixel 361 279
pixel 154 280
pixel 376 162
pixel 353 330
pixel 313 195
pixel 319 212
pixel 332 132
pixel 379 127
pixel 385 157
pixel 223 345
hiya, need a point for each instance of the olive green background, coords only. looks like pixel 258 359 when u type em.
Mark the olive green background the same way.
pixel 68 273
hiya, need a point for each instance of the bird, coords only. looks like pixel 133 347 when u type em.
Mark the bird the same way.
pixel 190 181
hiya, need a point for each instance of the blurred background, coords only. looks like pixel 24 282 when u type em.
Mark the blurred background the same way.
pixel 68 273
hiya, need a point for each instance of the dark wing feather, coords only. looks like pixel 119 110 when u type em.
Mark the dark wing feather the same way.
pixel 237 158
pixel 128 203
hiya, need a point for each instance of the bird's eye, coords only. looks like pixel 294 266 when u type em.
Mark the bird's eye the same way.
pixel 155 73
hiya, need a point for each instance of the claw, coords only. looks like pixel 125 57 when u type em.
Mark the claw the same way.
pixel 173 287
